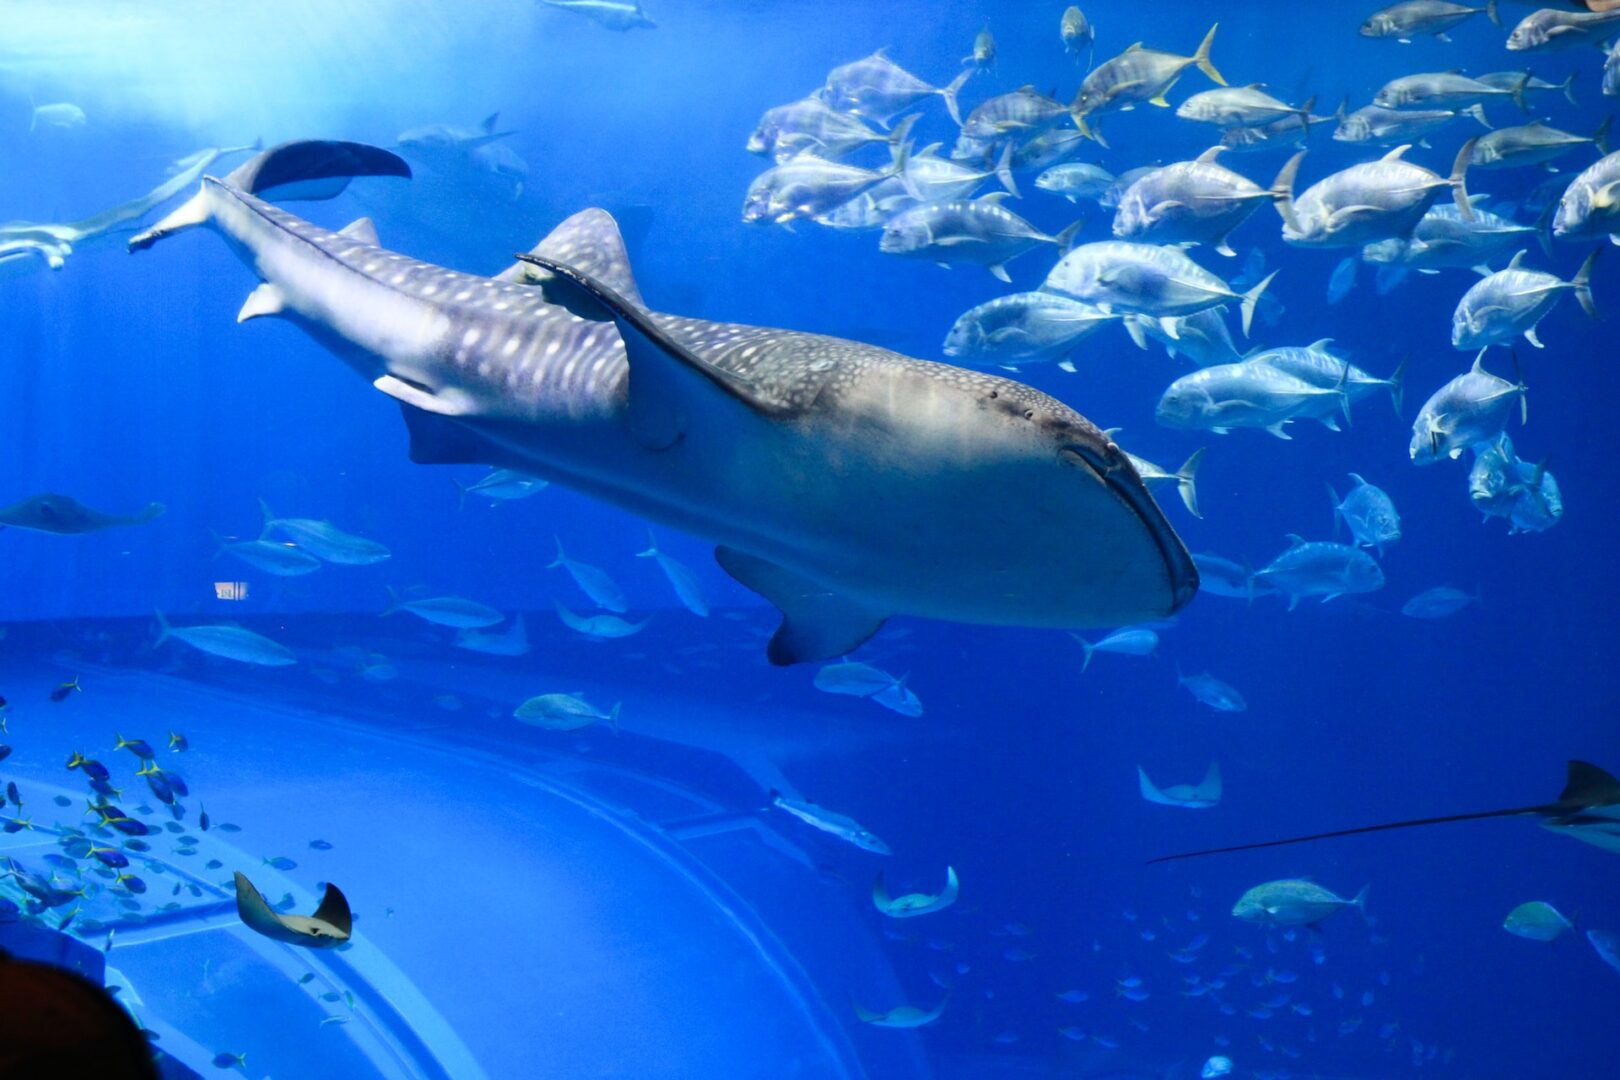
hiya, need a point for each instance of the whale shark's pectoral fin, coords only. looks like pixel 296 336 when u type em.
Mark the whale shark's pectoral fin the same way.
pixel 438 441
pixel 817 623
pixel 670 386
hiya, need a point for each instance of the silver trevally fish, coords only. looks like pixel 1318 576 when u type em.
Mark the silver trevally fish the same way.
pixel 1444 238
pixel 1369 513
pixel 980 231
pixel 1290 132
pixel 878 89
pixel 1536 920
pixel 454 151
pixel 1411 18
pixel 1293 902
pixel 613 14
pixel 1201 337
pixel 817 465
pixel 1502 486
pixel 1025 111
pixel 1206 689
pixel 1241 106
pixel 1076 32
pixel 512 641
pixel 913 904
pixel 1510 79
pixel 323 540
pixel 853 678
pixel 1220 576
pixel 1248 394
pixel 1045 149
pixel 808 186
pixel 501 485
pixel 932 178
pixel 1076 180
pixel 600 627
pixel 593 581
pixel 1533 144
pixel 229 641
pixel 1118 275
pixel 1501 306
pixel 454 611
pixel 1135 76
pixel 1022 328
pixel 1128 641
pixel 1200 796
pixel 1444 89
pixel 1189 202
pixel 272 556
pixel 811 124
pixel 565 712
pixel 1550 28
pixel 1368 202
pixel 1321 568
pixel 1440 602
pixel 1375 125
pixel 679 576
pixel 984 50
pixel 842 826
pixel 1472 408
pixel 1590 205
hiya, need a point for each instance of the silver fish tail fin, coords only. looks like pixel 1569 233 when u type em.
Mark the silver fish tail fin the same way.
pixel 1458 180
pixel 1397 383
pixel 1333 501
pixel 1518 91
pixel 1601 136
pixel 1568 87
pixel 1342 389
pixel 1492 14
pixel 1477 111
pixel 1251 298
pixel 1004 170
pixel 165 631
pixel 1201 57
pixel 310 169
pixel 1187 481
pixel 1304 111
pixel 1282 190
pixel 1582 283
pixel 949 94
pixel 1065 239
pixel 1360 900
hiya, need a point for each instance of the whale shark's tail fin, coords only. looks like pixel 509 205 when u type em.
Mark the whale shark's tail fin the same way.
pixel 310 169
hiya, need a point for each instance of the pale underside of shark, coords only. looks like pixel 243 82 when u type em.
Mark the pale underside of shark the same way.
pixel 842 482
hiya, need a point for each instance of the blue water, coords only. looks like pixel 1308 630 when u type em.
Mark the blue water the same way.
pixel 127 380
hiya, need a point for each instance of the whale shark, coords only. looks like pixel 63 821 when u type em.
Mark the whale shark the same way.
pixel 840 481
pixel 330 926
pixel 1588 809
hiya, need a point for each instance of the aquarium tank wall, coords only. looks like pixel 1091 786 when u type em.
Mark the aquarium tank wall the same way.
pixel 742 539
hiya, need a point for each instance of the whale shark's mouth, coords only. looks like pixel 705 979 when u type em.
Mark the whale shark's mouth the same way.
pixel 1120 477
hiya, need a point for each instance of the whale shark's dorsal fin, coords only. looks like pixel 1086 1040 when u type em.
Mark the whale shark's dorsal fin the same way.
pixel 1590 786
pixel 590 242
pixel 671 387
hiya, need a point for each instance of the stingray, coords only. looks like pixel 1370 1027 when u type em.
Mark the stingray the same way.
pixel 329 927
pixel 1588 809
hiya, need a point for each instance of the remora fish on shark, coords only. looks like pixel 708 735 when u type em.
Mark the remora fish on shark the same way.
pixel 814 463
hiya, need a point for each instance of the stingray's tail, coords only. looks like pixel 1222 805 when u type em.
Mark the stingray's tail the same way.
pixel 310 169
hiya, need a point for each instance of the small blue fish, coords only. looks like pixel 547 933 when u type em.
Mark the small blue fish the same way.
pixel 1369 513
pixel 5 751
pixel 12 794
pixel 62 691
pixel 321 845
pixel 226 1060
pixel 177 742
pixel 203 822
pixel 1208 690
pixel 131 882
pixel 281 862
pixel 139 747
pixel 61 800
